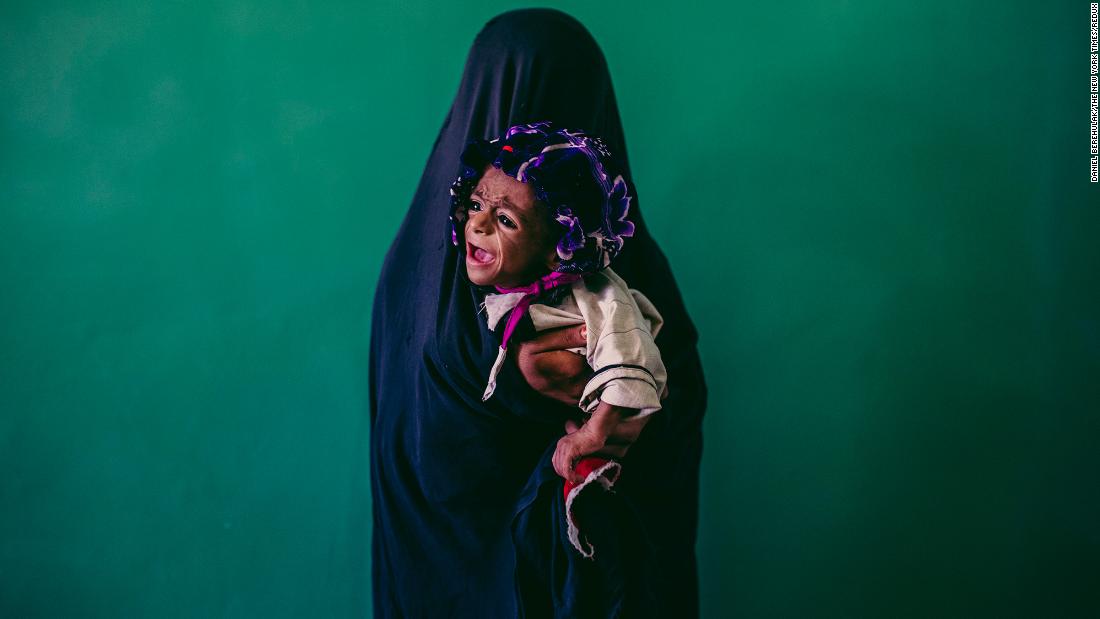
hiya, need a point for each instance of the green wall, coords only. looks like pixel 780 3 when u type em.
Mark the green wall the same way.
pixel 879 215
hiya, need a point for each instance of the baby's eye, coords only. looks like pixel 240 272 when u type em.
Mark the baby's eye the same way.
pixel 474 206
pixel 507 222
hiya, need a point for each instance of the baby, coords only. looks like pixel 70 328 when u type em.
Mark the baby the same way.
pixel 540 219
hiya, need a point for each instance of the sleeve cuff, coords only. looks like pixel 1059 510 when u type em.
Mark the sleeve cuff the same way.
pixel 626 387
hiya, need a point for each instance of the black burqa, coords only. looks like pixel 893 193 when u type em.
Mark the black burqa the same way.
pixel 468 514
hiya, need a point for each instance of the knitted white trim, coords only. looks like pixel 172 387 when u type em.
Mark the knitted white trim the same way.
pixel 606 476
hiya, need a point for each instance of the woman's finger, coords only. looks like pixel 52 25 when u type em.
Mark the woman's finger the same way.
pixel 571 426
pixel 557 339
pixel 559 463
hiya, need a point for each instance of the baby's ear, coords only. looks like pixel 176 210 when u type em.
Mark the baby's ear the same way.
pixel 552 259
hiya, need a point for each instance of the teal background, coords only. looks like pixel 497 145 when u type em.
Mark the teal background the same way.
pixel 879 215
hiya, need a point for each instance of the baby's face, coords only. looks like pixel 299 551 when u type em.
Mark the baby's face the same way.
pixel 509 241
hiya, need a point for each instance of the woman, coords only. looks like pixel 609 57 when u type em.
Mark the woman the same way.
pixel 467 509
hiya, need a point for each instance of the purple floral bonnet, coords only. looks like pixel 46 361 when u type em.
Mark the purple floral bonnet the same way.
pixel 569 173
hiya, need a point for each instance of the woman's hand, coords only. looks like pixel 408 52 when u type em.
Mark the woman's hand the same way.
pixel 609 432
pixel 552 370
pixel 581 442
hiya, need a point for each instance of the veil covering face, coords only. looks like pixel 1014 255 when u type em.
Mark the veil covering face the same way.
pixel 468 516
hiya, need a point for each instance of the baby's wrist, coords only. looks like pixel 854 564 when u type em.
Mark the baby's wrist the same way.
pixel 605 418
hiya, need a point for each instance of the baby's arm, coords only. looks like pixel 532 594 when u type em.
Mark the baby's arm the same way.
pixel 626 379
pixel 604 433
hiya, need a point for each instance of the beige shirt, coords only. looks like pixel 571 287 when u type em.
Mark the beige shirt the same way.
pixel 622 324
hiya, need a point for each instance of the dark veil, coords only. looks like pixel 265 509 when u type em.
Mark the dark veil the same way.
pixel 465 517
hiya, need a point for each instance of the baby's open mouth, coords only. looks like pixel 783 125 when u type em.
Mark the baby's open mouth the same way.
pixel 478 255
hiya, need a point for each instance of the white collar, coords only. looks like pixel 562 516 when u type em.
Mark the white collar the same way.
pixel 497 305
